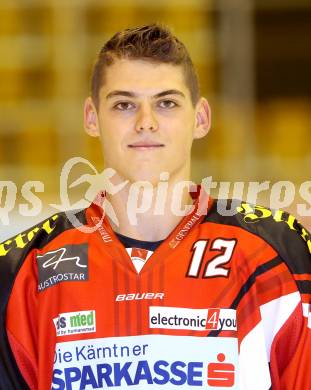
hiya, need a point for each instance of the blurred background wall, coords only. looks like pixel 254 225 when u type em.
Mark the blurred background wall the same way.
pixel 253 58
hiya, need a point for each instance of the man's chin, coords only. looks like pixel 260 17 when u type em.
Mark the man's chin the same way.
pixel 152 178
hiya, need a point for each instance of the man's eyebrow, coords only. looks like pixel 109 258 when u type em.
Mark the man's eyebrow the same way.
pixel 132 94
pixel 170 92
pixel 120 93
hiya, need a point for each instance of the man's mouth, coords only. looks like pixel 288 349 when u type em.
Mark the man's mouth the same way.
pixel 143 145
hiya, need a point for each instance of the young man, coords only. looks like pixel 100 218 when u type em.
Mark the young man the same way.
pixel 201 301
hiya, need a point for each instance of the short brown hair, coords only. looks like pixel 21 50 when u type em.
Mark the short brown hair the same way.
pixel 154 43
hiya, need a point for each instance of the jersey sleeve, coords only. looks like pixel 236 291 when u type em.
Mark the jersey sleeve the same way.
pixel 291 352
pixel 290 355
pixel 18 302
pixel 11 349
pixel 291 349
pixel 22 322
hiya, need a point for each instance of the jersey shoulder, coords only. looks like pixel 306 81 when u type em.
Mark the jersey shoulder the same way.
pixel 14 250
pixel 13 253
pixel 279 229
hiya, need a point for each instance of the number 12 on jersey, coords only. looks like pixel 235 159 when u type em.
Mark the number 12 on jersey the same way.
pixel 214 267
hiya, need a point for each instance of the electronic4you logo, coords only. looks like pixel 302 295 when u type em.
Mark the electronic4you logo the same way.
pixel 164 317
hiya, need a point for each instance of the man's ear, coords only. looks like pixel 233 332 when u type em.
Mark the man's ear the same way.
pixel 203 118
pixel 91 125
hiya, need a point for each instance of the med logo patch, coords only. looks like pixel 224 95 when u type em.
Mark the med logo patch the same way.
pixel 66 264
pixel 75 322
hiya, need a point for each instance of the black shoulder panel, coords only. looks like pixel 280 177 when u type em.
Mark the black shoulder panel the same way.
pixel 13 252
pixel 278 228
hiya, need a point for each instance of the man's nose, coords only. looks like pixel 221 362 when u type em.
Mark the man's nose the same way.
pixel 146 120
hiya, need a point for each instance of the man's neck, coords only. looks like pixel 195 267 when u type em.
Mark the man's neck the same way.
pixel 150 214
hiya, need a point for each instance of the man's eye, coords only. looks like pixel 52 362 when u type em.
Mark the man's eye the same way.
pixel 124 106
pixel 167 104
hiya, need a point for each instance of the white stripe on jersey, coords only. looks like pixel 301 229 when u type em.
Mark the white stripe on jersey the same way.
pixel 256 346
pixel 253 361
pixel 306 308
pixel 275 313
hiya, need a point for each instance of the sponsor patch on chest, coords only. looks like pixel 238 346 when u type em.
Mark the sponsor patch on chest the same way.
pixel 147 362
pixel 66 264
pixel 161 317
pixel 75 322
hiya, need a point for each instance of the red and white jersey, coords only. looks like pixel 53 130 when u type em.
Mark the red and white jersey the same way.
pixel 222 303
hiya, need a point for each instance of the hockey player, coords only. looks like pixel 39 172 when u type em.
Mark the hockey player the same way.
pixel 162 300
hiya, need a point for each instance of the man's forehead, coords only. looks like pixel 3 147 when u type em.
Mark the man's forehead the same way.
pixel 137 93
pixel 143 77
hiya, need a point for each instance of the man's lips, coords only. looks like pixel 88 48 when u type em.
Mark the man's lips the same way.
pixel 145 145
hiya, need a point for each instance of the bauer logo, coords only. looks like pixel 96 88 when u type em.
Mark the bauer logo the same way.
pixel 191 319
pixel 66 264
pixel 75 322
